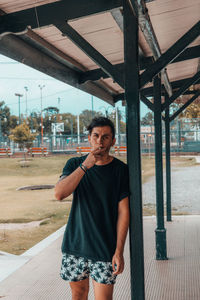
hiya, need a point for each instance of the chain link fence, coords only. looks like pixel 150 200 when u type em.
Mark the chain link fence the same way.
pixel 184 137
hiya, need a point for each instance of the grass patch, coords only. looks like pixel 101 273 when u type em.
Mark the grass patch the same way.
pixel 41 166
pixel 18 241
pixel 149 209
pixel 28 206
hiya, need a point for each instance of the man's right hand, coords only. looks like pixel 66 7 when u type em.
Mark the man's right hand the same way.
pixel 92 157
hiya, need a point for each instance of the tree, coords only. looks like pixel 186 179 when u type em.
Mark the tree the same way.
pixel 13 121
pixel 147 119
pixel 4 118
pixel 191 112
pixel 86 117
pixel 34 121
pixel 21 134
pixel 51 110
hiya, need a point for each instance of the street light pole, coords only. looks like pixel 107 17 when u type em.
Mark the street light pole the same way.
pixel 59 104
pixel 26 90
pixel 92 106
pixel 19 96
pixel 41 87
pixel 78 129
pixel 117 126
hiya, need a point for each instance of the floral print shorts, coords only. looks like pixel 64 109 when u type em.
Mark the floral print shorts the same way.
pixel 75 268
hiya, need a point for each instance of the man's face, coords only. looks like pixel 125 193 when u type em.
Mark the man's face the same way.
pixel 101 137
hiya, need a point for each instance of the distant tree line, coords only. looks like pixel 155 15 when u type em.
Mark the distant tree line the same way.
pixel 51 115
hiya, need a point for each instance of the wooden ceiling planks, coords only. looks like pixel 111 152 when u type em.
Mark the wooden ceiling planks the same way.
pixel 103 33
pixel 54 37
pixel 9 6
pixel 181 70
pixel 172 19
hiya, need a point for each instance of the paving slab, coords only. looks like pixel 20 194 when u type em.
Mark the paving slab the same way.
pixel 174 279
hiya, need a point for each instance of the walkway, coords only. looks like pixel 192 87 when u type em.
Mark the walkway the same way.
pixel 185 189
pixel 176 278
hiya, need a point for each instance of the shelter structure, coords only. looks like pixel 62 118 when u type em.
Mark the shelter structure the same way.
pixel 116 50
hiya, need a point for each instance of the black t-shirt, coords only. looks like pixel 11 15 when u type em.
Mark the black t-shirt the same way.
pixel 91 231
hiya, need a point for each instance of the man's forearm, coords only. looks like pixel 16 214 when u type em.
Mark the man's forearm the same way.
pixel 122 229
pixel 66 186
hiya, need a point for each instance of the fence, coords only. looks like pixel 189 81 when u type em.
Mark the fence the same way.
pixel 184 137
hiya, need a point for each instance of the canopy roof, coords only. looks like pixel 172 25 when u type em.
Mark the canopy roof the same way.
pixel 66 50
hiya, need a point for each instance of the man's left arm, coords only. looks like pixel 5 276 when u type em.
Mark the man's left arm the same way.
pixel 122 228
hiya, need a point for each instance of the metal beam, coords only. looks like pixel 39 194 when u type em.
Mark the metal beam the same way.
pixel 150 36
pixel 148 103
pixel 43 15
pixel 184 106
pixel 17 49
pixel 188 53
pixel 97 74
pixel 90 51
pixel 118 17
pixel 170 54
pixel 148 92
pixel 133 152
pixel 160 232
pixel 168 163
pixel 182 89
pixel 144 62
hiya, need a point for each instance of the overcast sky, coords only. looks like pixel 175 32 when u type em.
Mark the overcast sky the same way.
pixel 15 76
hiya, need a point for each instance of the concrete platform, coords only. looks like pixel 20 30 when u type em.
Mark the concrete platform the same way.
pixel 9 263
pixel 174 279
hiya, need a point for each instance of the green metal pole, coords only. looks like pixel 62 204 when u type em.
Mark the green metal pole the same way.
pixel 133 151
pixel 161 251
pixel 168 163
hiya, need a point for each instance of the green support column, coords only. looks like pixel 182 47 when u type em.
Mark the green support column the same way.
pixel 168 164
pixel 161 251
pixel 133 149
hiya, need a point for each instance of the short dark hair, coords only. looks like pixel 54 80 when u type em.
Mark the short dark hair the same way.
pixel 100 122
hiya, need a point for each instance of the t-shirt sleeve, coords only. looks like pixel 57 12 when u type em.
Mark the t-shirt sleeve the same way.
pixel 124 185
pixel 68 168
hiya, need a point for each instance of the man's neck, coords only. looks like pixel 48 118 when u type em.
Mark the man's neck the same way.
pixel 104 160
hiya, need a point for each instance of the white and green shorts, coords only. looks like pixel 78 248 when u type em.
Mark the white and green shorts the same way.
pixel 75 268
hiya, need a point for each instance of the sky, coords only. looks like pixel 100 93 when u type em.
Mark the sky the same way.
pixel 15 76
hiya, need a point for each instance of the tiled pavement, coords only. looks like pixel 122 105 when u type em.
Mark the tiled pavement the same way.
pixel 175 279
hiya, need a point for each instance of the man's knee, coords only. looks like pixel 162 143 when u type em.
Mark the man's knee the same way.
pixel 79 292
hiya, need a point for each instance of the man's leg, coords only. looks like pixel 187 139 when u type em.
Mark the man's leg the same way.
pixel 80 289
pixel 103 291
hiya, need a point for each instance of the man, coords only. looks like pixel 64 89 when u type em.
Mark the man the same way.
pixel 95 235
